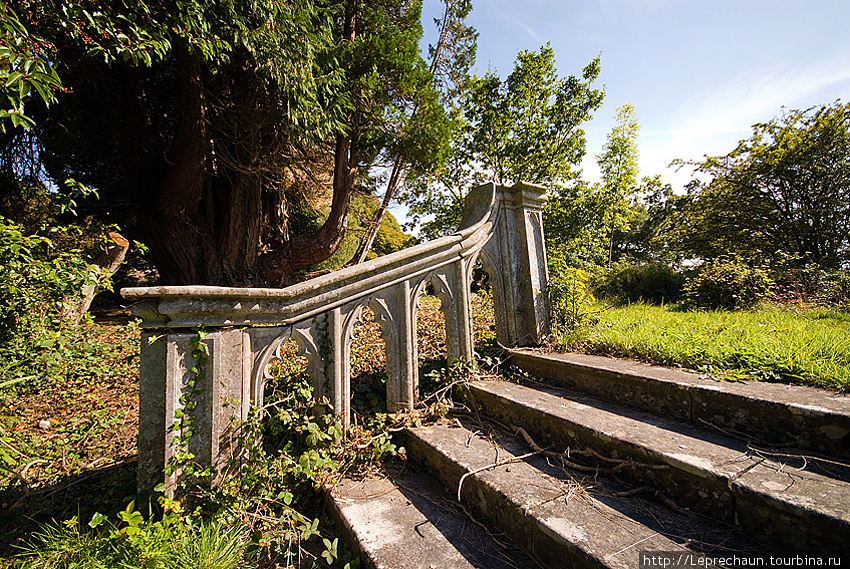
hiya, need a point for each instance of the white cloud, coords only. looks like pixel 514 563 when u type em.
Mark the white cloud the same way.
pixel 712 121
pixel 530 31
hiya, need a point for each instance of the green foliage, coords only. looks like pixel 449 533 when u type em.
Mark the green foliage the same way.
pixel 627 281
pixel 618 160
pixel 784 191
pixel 811 285
pixel 525 128
pixel 226 112
pixel 80 385
pixel 281 40
pixel 577 225
pixel 449 62
pixel 582 220
pixel 173 542
pixel 35 283
pixel 436 199
pixel 727 283
pixel 646 238
pixel 572 303
pixel 26 69
pixel 390 238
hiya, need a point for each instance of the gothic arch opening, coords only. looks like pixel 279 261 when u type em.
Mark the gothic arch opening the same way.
pixel 430 339
pixel 482 312
pixel 288 389
pixel 368 361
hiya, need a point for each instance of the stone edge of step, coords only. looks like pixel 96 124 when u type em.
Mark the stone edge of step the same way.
pixel 761 485
pixel 509 497
pixel 818 420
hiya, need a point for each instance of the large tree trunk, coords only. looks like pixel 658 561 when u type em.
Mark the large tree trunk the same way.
pixel 301 252
pixel 211 219
pixel 169 220
pixel 240 240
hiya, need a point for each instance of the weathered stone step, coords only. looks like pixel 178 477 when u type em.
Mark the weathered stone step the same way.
pixel 794 510
pixel 562 522
pixel 812 419
pixel 406 522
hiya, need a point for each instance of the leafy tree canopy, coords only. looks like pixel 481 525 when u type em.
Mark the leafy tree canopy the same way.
pixel 526 127
pixel 783 192
pixel 205 126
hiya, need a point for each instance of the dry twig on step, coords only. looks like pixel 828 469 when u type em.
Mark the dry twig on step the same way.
pixel 804 457
pixel 494 465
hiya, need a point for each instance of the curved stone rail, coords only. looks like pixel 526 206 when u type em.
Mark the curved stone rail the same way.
pixel 245 327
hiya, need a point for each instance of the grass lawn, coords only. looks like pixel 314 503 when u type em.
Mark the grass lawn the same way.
pixel 770 343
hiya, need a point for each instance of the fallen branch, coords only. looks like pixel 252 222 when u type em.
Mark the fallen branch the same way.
pixel 804 457
pixel 494 465
pixel 560 457
pixel 439 393
pixel 22 472
pixel 101 270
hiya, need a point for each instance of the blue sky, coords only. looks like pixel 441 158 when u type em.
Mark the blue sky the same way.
pixel 699 73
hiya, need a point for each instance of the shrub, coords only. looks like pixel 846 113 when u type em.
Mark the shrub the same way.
pixel 571 299
pixel 811 284
pixel 34 284
pixel 653 283
pixel 727 283
pixel 835 289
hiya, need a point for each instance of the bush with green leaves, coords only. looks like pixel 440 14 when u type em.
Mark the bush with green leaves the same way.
pixel 835 289
pixel 35 284
pixel 812 285
pixel 571 301
pixel 727 284
pixel 627 281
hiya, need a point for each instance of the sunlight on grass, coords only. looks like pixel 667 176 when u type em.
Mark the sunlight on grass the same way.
pixel 770 343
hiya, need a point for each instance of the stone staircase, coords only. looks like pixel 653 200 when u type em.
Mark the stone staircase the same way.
pixel 588 462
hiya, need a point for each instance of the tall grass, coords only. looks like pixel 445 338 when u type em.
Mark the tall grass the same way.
pixel 768 342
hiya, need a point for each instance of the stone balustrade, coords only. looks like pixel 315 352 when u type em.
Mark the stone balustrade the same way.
pixel 244 328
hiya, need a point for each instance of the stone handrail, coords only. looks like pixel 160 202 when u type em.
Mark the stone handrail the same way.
pixel 245 327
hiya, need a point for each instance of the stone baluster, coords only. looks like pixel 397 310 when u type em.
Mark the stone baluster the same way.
pixel 170 393
pixel 245 329
pixel 451 286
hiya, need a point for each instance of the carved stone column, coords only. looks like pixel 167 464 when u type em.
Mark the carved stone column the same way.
pixel 451 286
pixel 395 312
pixel 170 393
pixel 515 259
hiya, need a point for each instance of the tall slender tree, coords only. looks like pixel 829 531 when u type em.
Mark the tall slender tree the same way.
pixel 450 60
pixel 618 163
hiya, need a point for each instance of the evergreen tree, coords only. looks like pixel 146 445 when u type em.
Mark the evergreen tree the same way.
pixel 205 126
